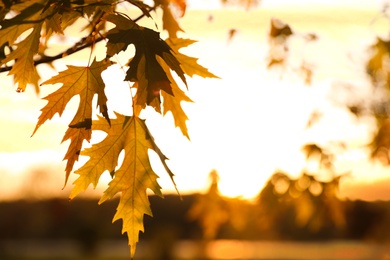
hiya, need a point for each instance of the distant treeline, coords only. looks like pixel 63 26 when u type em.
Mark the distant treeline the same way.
pixel 303 209
pixel 87 222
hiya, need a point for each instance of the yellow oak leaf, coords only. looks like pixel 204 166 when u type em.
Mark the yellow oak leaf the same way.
pixel 132 179
pixel 76 137
pixel 103 156
pixel 23 51
pixel 12 28
pixel 85 82
pixel 24 70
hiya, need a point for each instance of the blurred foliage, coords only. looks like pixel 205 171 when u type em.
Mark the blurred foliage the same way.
pixel 304 208
pixel 377 68
pixel 280 51
pixel 305 202
pixel 210 209
pixel 245 3
pixel 310 202
pixel 284 54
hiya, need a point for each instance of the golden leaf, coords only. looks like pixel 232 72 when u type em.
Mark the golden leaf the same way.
pixel 85 82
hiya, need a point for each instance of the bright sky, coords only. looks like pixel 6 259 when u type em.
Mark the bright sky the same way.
pixel 336 3
pixel 245 125
pixel 213 4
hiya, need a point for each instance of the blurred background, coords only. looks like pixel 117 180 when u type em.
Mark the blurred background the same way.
pixel 289 149
pixel 289 219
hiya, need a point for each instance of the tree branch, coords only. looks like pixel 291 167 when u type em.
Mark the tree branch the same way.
pixel 81 45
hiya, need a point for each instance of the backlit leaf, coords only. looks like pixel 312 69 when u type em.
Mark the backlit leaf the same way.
pixel 144 67
pixel 132 179
pixel 84 82
pixel 23 70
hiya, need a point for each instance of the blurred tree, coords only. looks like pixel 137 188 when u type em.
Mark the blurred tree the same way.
pixel 210 209
pixel 374 106
pixel 304 203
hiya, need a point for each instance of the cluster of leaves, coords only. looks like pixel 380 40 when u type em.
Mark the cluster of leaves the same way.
pixel 377 69
pixel 314 202
pixel 245 3
pixel 26 30
pixel 212 210
pixel 279 53
pixel 323 156
pixel 378 104
pixel 311 203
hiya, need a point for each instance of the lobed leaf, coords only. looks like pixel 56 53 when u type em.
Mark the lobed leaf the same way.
pixel 84 82
pixel 144 67
pixel 10 30
pixel 23 70
pixel 134 176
